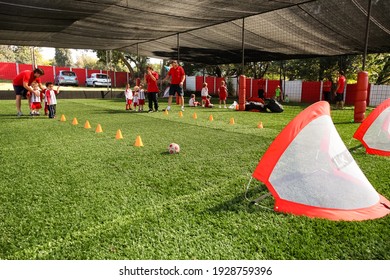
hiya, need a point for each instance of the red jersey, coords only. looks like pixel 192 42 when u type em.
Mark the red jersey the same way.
pixel 25 76
pixel 176 74
pixel 152 85
pixel 341 84
pixel 326 87
pixel 222 93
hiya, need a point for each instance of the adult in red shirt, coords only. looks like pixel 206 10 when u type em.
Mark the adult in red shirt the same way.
pixel 340 91
pixel 177 80
pixel 151 78
pixel 22 85
pixel 260 88
pixel 326 90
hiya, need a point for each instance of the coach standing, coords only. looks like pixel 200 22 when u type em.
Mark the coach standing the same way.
pixel 22 85
pixel 151 78
pixel 177 80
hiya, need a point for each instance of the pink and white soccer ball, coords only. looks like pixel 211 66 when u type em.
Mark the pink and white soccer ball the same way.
pixel 173 148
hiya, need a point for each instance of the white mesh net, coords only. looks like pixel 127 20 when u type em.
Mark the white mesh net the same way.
pixel 317 170
pixel 377 135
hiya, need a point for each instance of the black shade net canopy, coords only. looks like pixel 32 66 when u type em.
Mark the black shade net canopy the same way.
pixel 202 31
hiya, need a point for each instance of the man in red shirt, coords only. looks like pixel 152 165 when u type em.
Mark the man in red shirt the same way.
pixel 260 88
pixel 151 78
pixel 177 80
pixel 326 90
pixel 22 85
pixel 340 91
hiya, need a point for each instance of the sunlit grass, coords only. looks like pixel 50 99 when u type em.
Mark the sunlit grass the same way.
pixel 67 192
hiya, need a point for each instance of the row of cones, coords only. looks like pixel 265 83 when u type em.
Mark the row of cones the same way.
pixel 211 118
pixel 194 116
pixel 138 141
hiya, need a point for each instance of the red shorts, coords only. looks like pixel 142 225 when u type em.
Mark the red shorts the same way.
pixel 204 97
pixel 36 105
pixel 129 101
pixel 135 104
pixel 222 97
pixel 141 101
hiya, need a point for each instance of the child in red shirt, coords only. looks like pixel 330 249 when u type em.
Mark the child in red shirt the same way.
pixel 222 91
pixel 208 104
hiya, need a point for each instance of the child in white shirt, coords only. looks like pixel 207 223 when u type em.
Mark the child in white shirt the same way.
pixel 192 102
pixel 129 97
pixel 141 98
pixel 35 100
pixel 135 97
pixel 51 99
pixel 204 93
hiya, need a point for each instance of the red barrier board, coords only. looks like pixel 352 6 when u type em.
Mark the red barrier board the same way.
pixel 311 92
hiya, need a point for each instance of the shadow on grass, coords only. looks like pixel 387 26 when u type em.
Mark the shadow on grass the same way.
pixel 356 148
pixel 243 203
pixel 113 111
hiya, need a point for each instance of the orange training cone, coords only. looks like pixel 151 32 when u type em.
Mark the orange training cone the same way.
pixel 260 125
pixel 180 114
pixel 118 134
pixel 99 128
pixel 194 116
pixel 166 112
pixel 231 121
pixel 138 142
pixel 87 125
pixel 211 118
pixel 75 122
pixel 63 119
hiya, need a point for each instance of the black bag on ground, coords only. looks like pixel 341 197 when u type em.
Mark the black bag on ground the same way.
pixel 274 106
pixel 249 106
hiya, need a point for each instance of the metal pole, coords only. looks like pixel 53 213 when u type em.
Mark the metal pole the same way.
pixel 111 68
pixel 178 47
pixel 367 32
pixel 33 62
pixel 243 46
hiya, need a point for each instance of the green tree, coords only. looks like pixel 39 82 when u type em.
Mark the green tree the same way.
pixel 6 54
pixel 86 61
pixel 19 54
pixel 62 57
pixel 135 65
pixel 378 67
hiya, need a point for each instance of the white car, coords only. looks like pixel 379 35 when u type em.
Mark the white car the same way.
pixel 98 80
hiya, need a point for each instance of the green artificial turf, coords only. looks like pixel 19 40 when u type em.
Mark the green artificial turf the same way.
pixel 69 193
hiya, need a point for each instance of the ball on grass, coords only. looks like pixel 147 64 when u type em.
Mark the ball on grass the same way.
pixel 173 148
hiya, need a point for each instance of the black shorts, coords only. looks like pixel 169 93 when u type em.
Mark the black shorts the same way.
pixel 175 88
pixel 20 90
pixel 339 97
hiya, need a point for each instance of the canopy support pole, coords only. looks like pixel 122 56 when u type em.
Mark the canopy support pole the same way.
pixel 243 46
pixel 367 33
pixel 33 58
pixel 178 47
pixel 138 64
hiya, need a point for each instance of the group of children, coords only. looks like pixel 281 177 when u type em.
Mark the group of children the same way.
pixel 135 98
pixel 222 93
pixel 48 96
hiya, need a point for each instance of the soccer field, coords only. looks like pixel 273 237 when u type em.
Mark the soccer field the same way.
pixel 67 192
